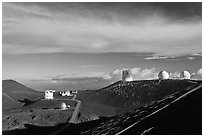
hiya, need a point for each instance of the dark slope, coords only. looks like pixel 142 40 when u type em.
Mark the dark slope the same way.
pixel 183 117
pixel 9 103
pixel 38 117
pixel 18 91
pixel 133 94
pixel 97 109
pixel 48 104
pixel 35 130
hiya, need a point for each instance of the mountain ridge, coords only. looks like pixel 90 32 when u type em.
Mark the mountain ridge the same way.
pixel 134 94
pixel 13 91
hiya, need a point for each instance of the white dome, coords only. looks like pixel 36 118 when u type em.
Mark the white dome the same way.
pixel 63 106
pixel 163 75
pixel 185 75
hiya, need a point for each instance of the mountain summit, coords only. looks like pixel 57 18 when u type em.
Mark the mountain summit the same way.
pixel 135 93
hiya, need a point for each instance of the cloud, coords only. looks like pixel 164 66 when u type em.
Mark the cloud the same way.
pixel 73 80
pixel 100 79
pixel 144 74
pixel 175 75
pixel 197 54
pixel 194 75
pixel 48 28
pixel 137 74
pixel 89 66
pixel 199 72
pixel 117 72
pixel 156 57
pixel 197 75
pixel 191 58
pixel 81 80
pixel 97 77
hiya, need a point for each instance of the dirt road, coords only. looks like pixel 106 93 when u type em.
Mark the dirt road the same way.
pixel 76 112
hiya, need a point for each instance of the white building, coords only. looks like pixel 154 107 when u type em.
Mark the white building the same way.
pixel 163 75
pixel 66 93
pixel 49 94
pixel 64 106
pixel 75 92
pixel 126 75
pixel 185 75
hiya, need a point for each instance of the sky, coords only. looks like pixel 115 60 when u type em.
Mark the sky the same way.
pixel 81 46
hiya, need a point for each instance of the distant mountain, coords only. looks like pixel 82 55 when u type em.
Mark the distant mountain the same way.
pixel 18 91
pixel 135 93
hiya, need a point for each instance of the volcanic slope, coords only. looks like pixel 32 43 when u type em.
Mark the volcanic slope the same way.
pixel 178 114
pixel 9 103
pixel 126 96
pixel 15 94
pixel 18 91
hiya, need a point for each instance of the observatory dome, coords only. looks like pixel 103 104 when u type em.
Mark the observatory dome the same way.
pixel 185 75
pixel 163 75
pixel 63 106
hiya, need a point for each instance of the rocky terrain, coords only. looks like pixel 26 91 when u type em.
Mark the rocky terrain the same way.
pixel 179 112
pixel 38 117
pixel 22 105
pixel 123 97
pixel 40 113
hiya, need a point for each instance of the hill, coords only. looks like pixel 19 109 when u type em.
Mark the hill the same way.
pixel 177 114
pixel 126 96
pixel 38 117
pixel 18 91
pixel 15 94
pixel 48 104
pixel 9 103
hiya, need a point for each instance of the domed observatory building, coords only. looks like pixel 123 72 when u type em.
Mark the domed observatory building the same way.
pixel 163 75
pixel 126 75
pixel 63 106
pixel 185 75
pixel 49 94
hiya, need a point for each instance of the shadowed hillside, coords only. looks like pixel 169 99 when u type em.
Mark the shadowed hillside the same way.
pixel 38 117
pixel 126 96
pixel 48 104
pixel 178 114
pixel 18 91
pixel 9 103
pixel 15 94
